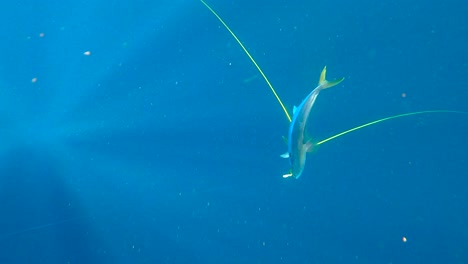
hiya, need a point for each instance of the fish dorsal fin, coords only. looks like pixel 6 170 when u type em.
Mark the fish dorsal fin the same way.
pixel 294 109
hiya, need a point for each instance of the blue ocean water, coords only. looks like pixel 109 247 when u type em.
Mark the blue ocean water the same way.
pixel 140 132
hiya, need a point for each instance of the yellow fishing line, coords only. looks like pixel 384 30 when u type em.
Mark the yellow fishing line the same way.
pixel 251 59
pixel 386 119
pixel 286 111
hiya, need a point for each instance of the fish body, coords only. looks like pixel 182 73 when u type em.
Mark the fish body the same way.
pixel 298 143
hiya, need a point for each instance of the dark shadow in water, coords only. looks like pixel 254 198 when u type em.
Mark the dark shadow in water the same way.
pixel 44 220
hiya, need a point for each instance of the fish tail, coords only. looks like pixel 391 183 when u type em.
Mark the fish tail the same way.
pixel 324 83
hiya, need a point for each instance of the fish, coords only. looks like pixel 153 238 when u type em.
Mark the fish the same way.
pixel 298 142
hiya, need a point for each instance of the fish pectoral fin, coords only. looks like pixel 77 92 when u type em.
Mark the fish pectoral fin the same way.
pixel 285 155
pixel 308 143
pixel 309 146
pixel 324 83
pixel 294 109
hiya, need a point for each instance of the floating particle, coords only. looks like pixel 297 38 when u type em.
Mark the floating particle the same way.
pixel 403 95
pixel 87 53
pixel 34 80
pixel 41 35
pixel 403 239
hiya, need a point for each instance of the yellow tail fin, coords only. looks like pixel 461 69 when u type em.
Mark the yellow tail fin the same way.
pixel 327 84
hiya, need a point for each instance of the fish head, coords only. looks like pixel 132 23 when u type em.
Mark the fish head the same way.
pixel 297 163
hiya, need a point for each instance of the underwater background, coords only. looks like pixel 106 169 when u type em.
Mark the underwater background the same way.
pixel 140 132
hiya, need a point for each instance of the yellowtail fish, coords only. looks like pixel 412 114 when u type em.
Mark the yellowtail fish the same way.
pixel 298 143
